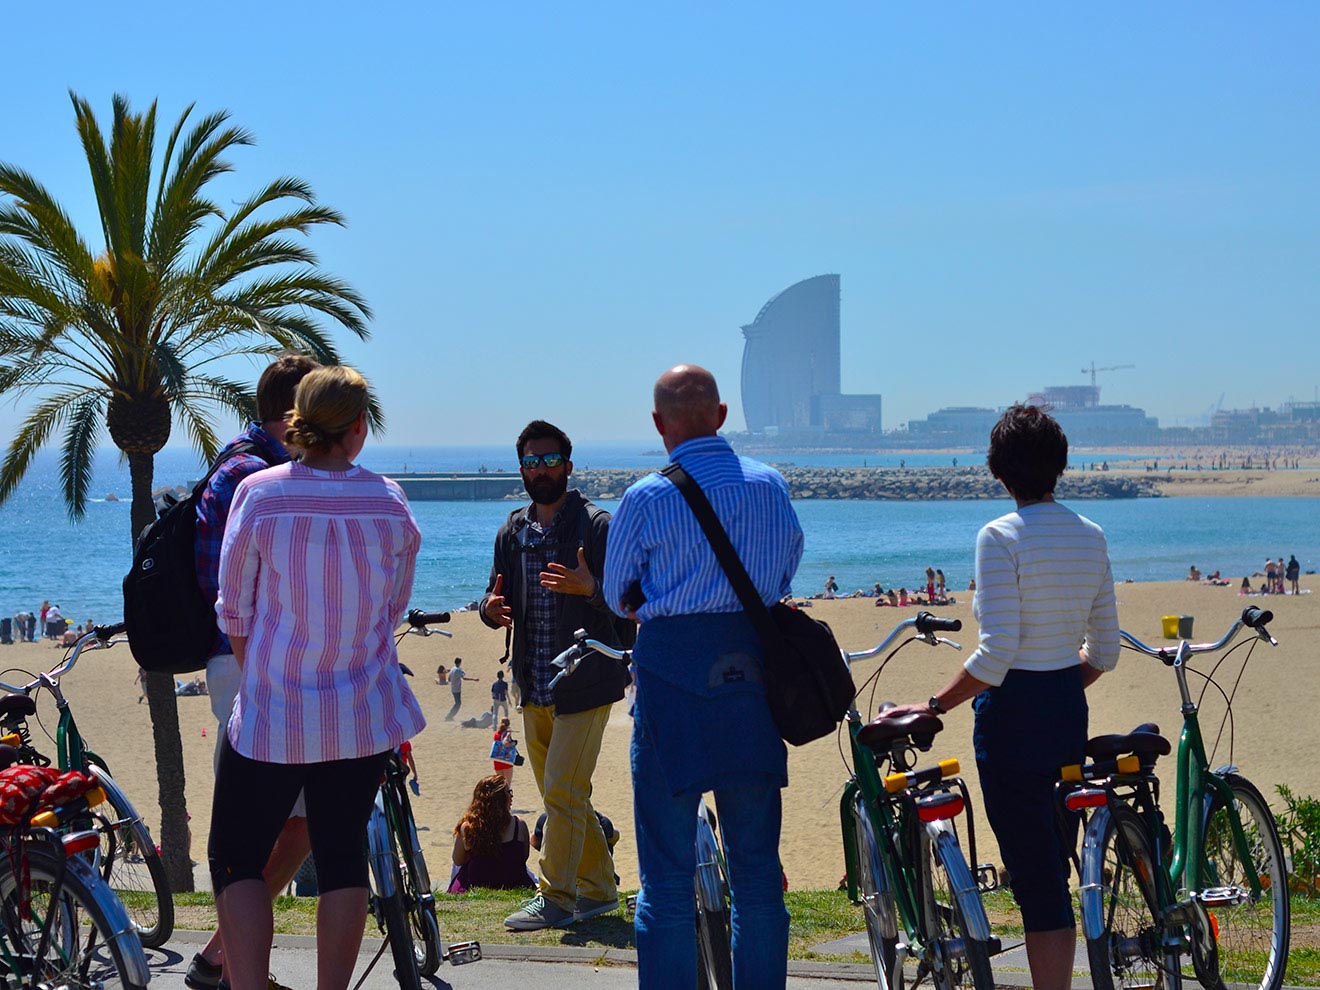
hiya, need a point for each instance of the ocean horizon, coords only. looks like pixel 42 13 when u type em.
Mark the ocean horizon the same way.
pixel 81 565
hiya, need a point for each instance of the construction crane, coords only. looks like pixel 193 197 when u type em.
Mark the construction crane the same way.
pixel 1113 367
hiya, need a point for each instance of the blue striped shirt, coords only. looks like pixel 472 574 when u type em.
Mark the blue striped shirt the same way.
pixel 656 540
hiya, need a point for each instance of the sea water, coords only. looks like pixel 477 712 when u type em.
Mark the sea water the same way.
pixel 80 565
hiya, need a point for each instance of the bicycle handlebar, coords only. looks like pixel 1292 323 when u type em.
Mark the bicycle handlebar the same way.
pixel 568 661
pixel 99 638
pixel 417 618
pixel 927 624
pixel 1252 617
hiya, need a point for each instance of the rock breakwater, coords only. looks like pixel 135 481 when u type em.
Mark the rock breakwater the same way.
pixel 899 484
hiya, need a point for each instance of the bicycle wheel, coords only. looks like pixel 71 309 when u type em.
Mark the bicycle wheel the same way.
pixel 956 959
pixel 131 866
pixel 1253 935
pixel 1130 953
pixel 877 899
pixel 418 898
pixel 714 960
pixel 90 945
pixel 390 909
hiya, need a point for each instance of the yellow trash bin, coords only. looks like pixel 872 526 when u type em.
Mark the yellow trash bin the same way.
pixel 1170 623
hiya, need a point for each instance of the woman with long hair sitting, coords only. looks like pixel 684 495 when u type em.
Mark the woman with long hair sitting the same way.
pixel 491 843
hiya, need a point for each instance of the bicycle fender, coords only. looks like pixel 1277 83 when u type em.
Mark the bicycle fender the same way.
pixel 710 887
pixel 141 833
pixel 964 884
pixel 378 851
pixel 1091 892
pixel 886 908
pixel 124 933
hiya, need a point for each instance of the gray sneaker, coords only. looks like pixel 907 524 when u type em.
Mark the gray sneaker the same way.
pixel 539 913
pixel 590 908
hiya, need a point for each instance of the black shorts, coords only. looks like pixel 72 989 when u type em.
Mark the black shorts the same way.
pixel 253 800
pixel 1026 729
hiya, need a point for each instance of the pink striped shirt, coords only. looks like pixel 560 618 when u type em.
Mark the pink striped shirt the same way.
pixel 316 569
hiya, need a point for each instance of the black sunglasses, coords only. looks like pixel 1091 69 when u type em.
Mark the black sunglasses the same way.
pixel 531 462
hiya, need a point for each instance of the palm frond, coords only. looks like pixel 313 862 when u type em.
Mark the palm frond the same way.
pixel 76 462
pixel 32 435
pixel 201 434
pixel 43 223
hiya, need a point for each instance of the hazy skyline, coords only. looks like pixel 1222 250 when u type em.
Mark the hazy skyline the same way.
pixel 548 207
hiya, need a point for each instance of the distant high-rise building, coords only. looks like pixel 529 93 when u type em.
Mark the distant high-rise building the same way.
pixel 791 356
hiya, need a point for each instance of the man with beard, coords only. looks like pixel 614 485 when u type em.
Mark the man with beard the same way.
pixel 544 585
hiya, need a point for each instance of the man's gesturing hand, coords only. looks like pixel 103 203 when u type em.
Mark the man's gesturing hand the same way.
pixel 574 581
pixel 496 608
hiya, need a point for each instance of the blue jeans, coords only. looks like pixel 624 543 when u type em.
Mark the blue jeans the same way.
pixel 749 814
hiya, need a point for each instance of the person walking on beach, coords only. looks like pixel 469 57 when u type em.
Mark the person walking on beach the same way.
pixel 264 439
pixel 545 585
pixel 456 678
pixel 315 573
pixel 698 661
pixel 499 695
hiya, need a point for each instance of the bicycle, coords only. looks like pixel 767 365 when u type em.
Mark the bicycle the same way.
pixel 904 864
pixel 127 857
pixel 1216 889
pixel 401 898
pixel 710 880
pixel 60 924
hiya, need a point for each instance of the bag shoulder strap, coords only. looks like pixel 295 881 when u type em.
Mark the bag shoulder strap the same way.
pixel 246 447
pixel 722 547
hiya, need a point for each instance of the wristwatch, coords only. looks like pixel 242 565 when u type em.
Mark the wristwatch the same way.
pixel 935 706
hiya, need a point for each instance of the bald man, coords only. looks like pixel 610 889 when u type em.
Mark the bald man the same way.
pixel 701 720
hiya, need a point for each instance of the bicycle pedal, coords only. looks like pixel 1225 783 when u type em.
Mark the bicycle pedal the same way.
pixel 994 945
pixel 1231 896
pixel 463 952
pixel 630 904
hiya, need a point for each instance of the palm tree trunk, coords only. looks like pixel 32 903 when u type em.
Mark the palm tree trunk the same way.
pixel 164 707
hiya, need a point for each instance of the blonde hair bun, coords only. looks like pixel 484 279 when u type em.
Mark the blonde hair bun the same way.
pixel 326 405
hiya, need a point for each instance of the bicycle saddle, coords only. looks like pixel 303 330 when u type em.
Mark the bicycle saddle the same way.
pixel 1145 741
pixel 19 705
pixel 880 733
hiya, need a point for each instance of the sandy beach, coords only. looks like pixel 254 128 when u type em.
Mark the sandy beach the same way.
pixel 1272 715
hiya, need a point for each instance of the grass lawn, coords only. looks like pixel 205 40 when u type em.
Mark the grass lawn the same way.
pixel 816 916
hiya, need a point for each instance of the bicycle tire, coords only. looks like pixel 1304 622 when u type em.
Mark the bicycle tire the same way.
pixel 878 907
pixel 957 959
pixel 1253 936
pixel 1130 951
pixel 417 890
pixel 714 957
pixel 92 943
pixel 392 914
pixel 131 866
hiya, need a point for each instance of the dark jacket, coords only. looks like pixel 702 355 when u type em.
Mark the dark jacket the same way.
pixel 598 680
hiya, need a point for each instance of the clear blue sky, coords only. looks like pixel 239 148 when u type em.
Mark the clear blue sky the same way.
pixel 550 205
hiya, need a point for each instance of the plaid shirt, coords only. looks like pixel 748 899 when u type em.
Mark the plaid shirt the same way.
pixel 541 616
pixel 213 510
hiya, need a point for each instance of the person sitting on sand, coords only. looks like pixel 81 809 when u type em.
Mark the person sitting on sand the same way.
pixel 903 601
pixel 491 843
pixel 1245 589
pixel 1193 573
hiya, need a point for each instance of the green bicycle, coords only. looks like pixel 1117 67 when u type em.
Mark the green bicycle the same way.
pixel 905 865
pixel 1216 889
pixel 127 857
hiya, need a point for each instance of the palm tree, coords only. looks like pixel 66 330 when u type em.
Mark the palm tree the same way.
pixel 127 336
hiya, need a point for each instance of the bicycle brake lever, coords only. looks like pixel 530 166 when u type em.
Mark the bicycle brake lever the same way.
pixel 949 642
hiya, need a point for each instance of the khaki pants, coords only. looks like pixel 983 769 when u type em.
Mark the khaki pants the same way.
pixel 575 858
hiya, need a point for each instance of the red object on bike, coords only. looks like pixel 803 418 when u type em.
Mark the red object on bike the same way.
pixel 1086 798
pixel 939 807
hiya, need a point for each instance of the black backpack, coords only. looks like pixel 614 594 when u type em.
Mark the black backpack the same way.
pixel 170 621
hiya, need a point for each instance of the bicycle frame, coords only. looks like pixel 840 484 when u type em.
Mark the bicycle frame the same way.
pixel 894 821
pixel 1197 785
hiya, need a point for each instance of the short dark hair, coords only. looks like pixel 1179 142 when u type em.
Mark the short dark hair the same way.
pixel 1028 451
pixel 539 429
pixel 278 383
